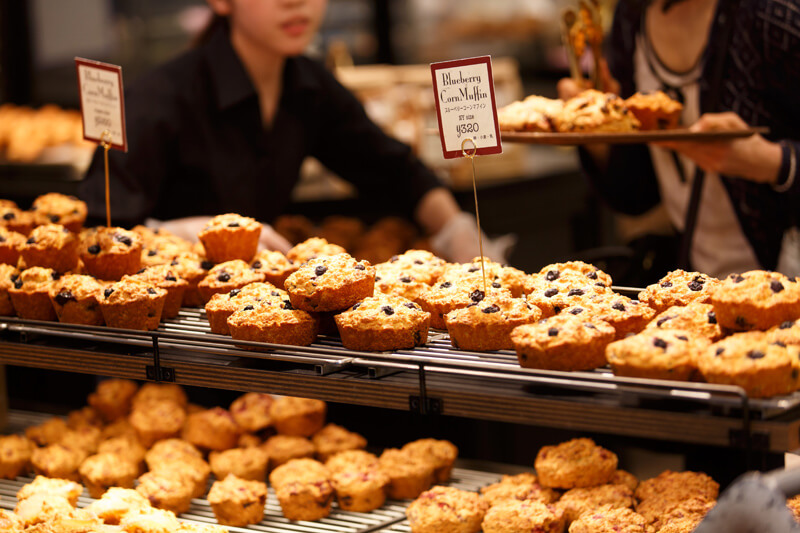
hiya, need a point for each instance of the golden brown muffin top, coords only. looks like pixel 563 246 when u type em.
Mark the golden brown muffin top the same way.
pixel 383 311
pixel 75 286
pixel 229 221
pixel 231 273
pixel 56 208
pixel 312 248
pixel 130 289
pixel 233 489
pixel 163 276
pixel 328 272
pixel 50 236
pixel 35 279
pixel 103 240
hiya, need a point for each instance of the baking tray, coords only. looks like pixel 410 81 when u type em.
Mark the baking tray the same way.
pixel 628 137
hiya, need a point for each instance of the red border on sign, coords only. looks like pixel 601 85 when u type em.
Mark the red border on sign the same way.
pixel 486 150
pixel 110 68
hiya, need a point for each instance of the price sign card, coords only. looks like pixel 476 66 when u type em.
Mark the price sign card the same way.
pixel 102 102
pixel 465 105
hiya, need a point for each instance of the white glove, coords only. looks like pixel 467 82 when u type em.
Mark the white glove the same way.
pixel 188 228
pixel 457 241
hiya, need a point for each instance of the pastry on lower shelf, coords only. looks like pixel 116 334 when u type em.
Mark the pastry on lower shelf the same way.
pixel 117 503
pixel 85 416
pixel 75 299
pixel 303 489
pixel 251 411
pixel 186 527
pixel 42 507
pixel 409 475
pixel 194 471
pixel 127 448
pixel 230 236
pixel 51 246
pixel 523 515
pixel 64 488
pixel 655 111
pixel 296 416
pixel 57 461
pixel 244 463
pixel 15 455
pixel 679 287
pixel 359 483
pixel 57 208
pixel 608 518
pixel 657 354
pixel 132 304
pixel 165 491
pixel 238 502
pixel 169 451
pixel 383 322
pixel 757 299
pixel 105 470
pixel 83 439
pixel 48 432
pixel 441 454
pixel 30 293
pixel 523 486
pixel 333 439
pixel 330 283
pixel 595 111
pixel 109 252
pixel 156 420
pixel 283 448
pixel 576 502
pixel 446 509
pixel 113 398
pixel 575 463
pixel 212 429
pixel 160 391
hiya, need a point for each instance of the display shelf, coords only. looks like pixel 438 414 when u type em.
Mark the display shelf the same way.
pixel 432 379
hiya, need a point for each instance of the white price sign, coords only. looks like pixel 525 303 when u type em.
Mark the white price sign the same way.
pixel 102 102
pixel 466 108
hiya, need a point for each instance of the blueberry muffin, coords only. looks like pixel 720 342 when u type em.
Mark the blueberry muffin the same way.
pixel 213 429
pixel 51 246
pixel 75 299
pixel 610 519
pixel 553 294
pixel 564 342
pixel 448 296
pixel 575 463
pixel 757 299
pixel 395 280
pixel 113 398
pixel 441 454
pixel 273 321
pixel 245 463
pixel 330 283
pixel 303 489
pixel 15 455
pixel 160 253
pixel 523 515
pixel 251 411
pixel 679 288
pixel 15 219
pixel 592 274
pixel 56 208
pixel 487 326
pixel 193 269
pixel 655 111
pixel 333 439
pixel 238 502
pixel 150 520
pixel 751 360
pixel 110 253
pixel 698 317
pixel 157 420
pixel 164 277
pixel 301 417
pixel 576 502
pixel 283 448
pixel 222 305
pixel 30 294
pixel 409 475
pixel 11 243
pixel 8 275
pixel 625 315
pixel 523 486
pixel 787 332
pixel 132 304
pixel 225 277
pixel 422 265
pixel 661 354
pixel 312 248
pixel 105 470
pixel 594 111
pixel 275 266
pixel 446 509
pixel 380 323
pixel 230 236
pixel 534 113
pixel 497 275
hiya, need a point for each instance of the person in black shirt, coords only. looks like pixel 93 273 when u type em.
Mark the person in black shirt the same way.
pixel 226 126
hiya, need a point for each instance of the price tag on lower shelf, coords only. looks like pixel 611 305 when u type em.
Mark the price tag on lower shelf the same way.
pixel 102 103
pixel 465 105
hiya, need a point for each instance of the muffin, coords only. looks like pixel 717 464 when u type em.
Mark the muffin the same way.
pixel 303 489
pixel 662 354
pixel 487 326
pixel 274 321
pixel 608 518
pixel 113 398
pixel 275 266
pixel 132 304
pixel 409 475
pixel 48 432
pixel 11 243
pixel 283 448
pixel 394 280
pixel 118 503
pixel 446 509
pixel 422 265
pixel 230 236
pixel 575 463
pixel 157 420
pixel 333 439
pixel 352 460
pixel 576 502
pixel 119 428
pixel 678 288
pixel 42 508
pixel 160 391
pixel 750 360
pixel 238 502
pixel 83 439
pixel 330 283
pixel 383 322
pixel 360 490
pixel 591 273
pixel 523 515
pixel 552 293
pixel 127 449
pixel 697 316
pixel 251 411
pixel 110 253
pixel 57 461
pixel 170 451
pixel 15 219
pixel 193 269
pixel 149 521
pixel 312 248
pixel 193 471
pixel 56 208
pixel 301 417
pixel 51 246
pixel 15 456
pixel 10 522
pixel 75 300
pixel 675 516
pixel 534 113
pixel 245 463
pixel 595 111
pixel 523 486
pixel 757 299
pixel 342 230
pixel 496 275
pixel 8 275
pixel 222 305
pixel 105 470
pixel 441 454
pixel 451 295
pixel 678 486
pixel 227 276
pixel 164 277
pixel 85 416
pixel 30 294
pixel 622 477
pixel 655 111
pixel 164 491
pixel 563 342
pixel 213 429
pixel 625 315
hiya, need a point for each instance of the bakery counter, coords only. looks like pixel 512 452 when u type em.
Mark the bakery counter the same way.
pixel 434 379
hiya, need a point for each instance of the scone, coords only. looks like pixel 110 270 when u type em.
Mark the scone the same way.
pixel 380 323
pixel 132 304
pixel 757 299
pixel 330 283
pixel 661 354
pixel 110 253
pixel 303 489
pixel 75 299
pixel 523 486
pixel 230 236
pixel 301 417
pixel 57 208
pixel 30 294
pixel 51 246
pixel 238 502
pixel 488 325
pixel 213 429
pixel 164 277
pixel 575 463
pixel 446 509
pixel 225 277
pixel 679 287
pixel 523 515
pixel 333 439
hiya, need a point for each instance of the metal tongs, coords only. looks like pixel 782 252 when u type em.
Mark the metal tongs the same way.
pixel 579 29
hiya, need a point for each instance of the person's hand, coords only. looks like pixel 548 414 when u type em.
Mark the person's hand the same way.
pixel 272 240
pixel 753 158
pixel 457 242
pixel 567 87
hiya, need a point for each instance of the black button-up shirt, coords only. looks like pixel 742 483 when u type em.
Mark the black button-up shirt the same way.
pixel 197 144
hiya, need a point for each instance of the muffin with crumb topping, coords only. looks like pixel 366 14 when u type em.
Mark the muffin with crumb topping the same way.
pixel 75 299
pixel 238 502
pixel 15 455
pixel 275 266
pixel 10 244
pixel 110 253
pixel 132 304
pixel 30 293
pixel 383 322
pixel 230 236
pixel 225 277
pixel 51 246
pixel 164 277
pixel 57 208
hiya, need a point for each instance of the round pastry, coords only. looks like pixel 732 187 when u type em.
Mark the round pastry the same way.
pixel 661 354
pixel 227 276
pixel 655 111
pixel 160 391
pixel 83 439
pixel 246 463
pixel 273 321
pixel 282 448
pixel 156 420
pixel 160 253
pixel 238 502
pixel 757 299
pixel 383 322
pixel 625 315
pixel 56 208
pixel 127 448
pixel 251 411
pixel 15 456
pixel 42 508
pixel 311 249
pixel 361 490
pixel 563 342
pixel 330 283
pixel 678 288
pixel 57 461
pixel 8 275
pixel 523 515
pixel 448 296
pixel 110 253
pixel 753 361
pixel 214 429
pixel 10 522
pixel 193 269
pixel 105 470
pixel 150 519
pixel 117 503
pixel 48 432
pixel 523 486
pixel 275 266
pixel 352 460
pixel 575 463
pixel 168 451
pixel 230 236
pixel 51 246
pixel 422 265
pixel 167 492
pixel 113 398
pixel 132 304
pixel 446 509
pixel 487 326
pixel 787 332
pixel 577 501
pixel 15 219
pixel 11 243
pixel 222 305
pixel 675 516
pixel 409 475
pixel 164 277
pixel 608 518
pixel 441 454
pixel 394 280
pixel 192 470
pixel 697 316
pixel 30 294
pixel 554 293
pixel 594 110
pixel 677 486
pixel 54 486
pixel 75 298
pixel 300 417
pixel 592 274
pixel 497 275
pixel 622 477
pixel 534 113
pixel 303 489
pixel 333 439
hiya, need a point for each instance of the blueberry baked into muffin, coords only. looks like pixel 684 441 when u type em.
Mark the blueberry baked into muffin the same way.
pixel 227 276
pixel 56 208
pixel 132 304
pixel 30 293
pixel 593 110
pixel 657 354
pixel 75 298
